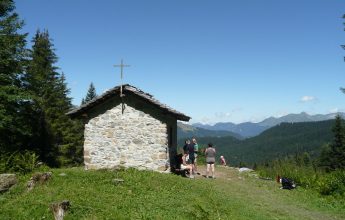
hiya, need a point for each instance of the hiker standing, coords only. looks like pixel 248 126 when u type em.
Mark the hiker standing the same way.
pixel 185 147
pixel 191 156
pixel 210 154
pixel 196 150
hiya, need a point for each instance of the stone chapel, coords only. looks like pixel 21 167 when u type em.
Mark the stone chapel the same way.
pixel 126 127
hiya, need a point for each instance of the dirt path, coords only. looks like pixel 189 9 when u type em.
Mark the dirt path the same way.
pixel 221 172
pixel 266 195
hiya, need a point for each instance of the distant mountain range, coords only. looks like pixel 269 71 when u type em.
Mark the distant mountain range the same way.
pixel 246 129
pixel 189 131
pixel 278 141
pixel 249 129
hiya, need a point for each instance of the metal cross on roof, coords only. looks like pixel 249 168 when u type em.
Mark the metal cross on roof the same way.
pixel 121 66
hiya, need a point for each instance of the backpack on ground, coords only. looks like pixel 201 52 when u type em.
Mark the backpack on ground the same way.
pixel 287 183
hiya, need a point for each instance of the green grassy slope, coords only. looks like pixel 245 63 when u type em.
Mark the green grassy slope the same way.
pixel 151 195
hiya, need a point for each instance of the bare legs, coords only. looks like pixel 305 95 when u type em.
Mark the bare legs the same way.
pixel 208 167
pixel 190 168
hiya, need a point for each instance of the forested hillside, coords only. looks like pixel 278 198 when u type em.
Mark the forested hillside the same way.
pixel 185 131
pixel 278 141
pixel 251 129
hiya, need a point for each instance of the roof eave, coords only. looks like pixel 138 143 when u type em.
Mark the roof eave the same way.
pixel 84 108
pixel 183 118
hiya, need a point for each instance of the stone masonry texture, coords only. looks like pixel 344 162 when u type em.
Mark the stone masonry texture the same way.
pixel 127 139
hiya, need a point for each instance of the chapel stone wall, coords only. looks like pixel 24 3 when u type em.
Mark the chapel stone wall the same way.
pixel 124 136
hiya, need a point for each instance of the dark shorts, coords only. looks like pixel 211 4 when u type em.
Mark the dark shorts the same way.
pixel 191 159
pixel 210 160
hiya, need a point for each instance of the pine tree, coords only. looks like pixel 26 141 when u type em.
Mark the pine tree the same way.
pixel 338 145
pixel 40 82
pixel 14 130
pixel 55 133
pixel 324 161
pixel 306 159
pixel 91 93
pixel 333 157
pixel 70 131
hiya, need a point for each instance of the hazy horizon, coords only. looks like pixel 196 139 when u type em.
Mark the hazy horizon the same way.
pixel 279 116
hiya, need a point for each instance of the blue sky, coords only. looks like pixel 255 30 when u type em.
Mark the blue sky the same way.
pixel 236 61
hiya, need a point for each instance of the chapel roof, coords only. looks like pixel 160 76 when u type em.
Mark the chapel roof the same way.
pixel 130 89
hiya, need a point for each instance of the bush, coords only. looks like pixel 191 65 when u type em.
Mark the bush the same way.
pixel 332 183
pixel 201 157
pixel 306 176
pixel 302 175
pixel 22 162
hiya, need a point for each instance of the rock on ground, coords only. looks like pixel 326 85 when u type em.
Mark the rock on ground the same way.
pixel 245 169
pixel 7 181
pixel 59 209
pixel 38 178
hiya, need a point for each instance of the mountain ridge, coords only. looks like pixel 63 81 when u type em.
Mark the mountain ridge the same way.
pixel 251 129
pixel 278 141
pixel 188 131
